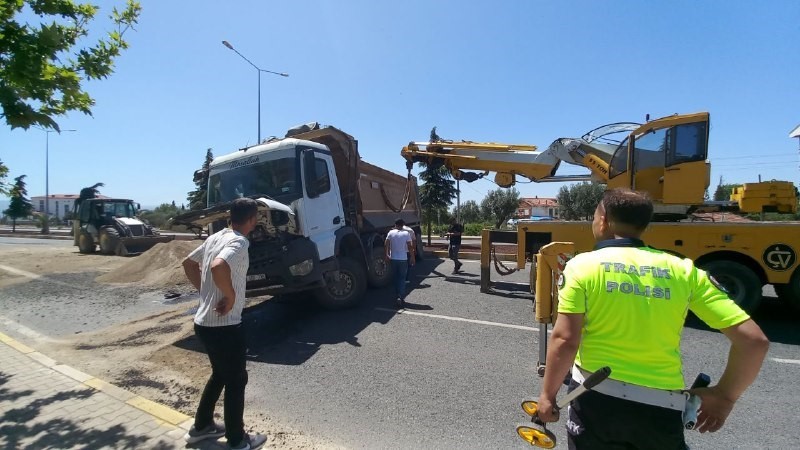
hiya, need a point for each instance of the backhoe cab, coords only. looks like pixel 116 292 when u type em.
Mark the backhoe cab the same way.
pixel 114 226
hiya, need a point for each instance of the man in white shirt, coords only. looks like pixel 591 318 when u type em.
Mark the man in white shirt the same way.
pixel 399 254
pixel 218 269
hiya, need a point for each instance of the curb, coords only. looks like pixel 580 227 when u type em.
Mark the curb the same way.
pixel 36 236
pixel 160 412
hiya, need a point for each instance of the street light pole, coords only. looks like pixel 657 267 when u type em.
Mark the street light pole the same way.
pixel 259 71
pixel 46 225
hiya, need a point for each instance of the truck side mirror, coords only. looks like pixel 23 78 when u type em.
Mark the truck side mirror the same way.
pixel 199 174
pixel 310 173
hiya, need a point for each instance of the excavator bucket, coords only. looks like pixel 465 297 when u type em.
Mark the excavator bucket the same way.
pixel 139 244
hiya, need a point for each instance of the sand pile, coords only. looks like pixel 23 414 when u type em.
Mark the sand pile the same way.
pixel 159 267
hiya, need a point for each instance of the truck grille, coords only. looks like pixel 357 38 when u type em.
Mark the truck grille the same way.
pixel 137 230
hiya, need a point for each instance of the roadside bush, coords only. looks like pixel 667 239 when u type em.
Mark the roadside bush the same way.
pixel 474 229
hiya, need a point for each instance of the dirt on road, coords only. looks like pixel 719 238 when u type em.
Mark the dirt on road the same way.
pixel 153 356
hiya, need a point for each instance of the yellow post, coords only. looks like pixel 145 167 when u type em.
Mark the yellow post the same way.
pixel 549 264
pixel 486 256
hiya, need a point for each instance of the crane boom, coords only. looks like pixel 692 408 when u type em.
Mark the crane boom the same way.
pixel 666 157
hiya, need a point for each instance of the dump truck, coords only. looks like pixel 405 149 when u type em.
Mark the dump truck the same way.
pixel 113 225
pixel 323 213
pixel 668 159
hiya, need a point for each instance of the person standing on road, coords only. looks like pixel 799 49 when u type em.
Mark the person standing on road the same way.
pixel 413 249
pixel 218 269
pixel 399 252
pixel 623 305
pixel 454 234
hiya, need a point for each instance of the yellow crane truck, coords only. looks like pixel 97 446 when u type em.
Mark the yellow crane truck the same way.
pixel 667 158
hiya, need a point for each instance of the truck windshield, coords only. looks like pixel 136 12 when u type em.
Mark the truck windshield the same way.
pixel 119 209
pixel 276 178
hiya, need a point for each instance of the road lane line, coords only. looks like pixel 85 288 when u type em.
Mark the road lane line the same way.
pixel 9 324
pixel 786 361
pixel 459 319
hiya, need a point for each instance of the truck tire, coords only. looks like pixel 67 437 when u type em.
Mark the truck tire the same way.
pixel 790 293
pixel 381 273
pixel 420 255
pixel 109 239
pixel 741 283
pixel 85 242
pixel 348 291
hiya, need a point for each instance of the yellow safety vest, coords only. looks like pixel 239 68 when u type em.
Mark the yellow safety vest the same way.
pixel 635 300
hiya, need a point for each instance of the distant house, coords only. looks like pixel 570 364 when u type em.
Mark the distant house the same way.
pixel 59 205
pixel 537 207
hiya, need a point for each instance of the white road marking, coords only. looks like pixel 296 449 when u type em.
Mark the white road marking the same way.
pixel 9 324
pixel 34 276
pixel 786 361
pixel 459 319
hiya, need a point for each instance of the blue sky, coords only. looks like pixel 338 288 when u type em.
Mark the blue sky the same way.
pixel 386 72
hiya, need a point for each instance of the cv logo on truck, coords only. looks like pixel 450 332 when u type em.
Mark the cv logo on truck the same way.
pixel 779 257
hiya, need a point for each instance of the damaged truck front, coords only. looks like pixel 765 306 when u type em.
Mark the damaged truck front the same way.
pixel 323 214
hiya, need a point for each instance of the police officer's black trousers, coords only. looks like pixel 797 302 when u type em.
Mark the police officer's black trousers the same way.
pixel 598 421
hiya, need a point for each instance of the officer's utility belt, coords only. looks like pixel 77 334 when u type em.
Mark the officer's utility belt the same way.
pixel 640 394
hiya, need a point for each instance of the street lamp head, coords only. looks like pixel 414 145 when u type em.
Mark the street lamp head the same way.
pixel 227 44
pixel 284 74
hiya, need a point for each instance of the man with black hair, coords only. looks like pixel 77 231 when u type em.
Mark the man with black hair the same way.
pixel 218 269
pixel 623 305
pixel 454 234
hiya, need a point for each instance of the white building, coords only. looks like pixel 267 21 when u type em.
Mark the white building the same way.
pixel 59 204
pixel 537 207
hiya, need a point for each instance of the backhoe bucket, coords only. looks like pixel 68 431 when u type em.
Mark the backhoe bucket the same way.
pixel 140 244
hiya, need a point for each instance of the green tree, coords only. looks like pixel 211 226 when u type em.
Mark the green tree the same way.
pixel 198 198
pixel 20 206
pixel 87 193
pixel 470 212
pixel 42 66
pixel 723 191
pixel 438 189
pixel 3 176
pixel 499 205
pixel 578 201
pixel 159 217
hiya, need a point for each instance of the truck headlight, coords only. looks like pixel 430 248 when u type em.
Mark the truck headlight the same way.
pixel 302 268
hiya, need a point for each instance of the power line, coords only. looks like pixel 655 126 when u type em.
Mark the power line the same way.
pixel 752 156
pixel 770 163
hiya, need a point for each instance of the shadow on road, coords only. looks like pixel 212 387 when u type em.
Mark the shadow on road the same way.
pixel 776 319
pixel 289 330
pixel 498 288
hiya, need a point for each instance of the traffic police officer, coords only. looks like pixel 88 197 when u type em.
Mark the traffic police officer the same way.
pixel 623 305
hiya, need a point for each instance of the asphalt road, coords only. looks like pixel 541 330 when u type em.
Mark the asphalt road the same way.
pixel 451 370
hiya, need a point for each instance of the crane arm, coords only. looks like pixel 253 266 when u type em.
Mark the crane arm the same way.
pixel 510 160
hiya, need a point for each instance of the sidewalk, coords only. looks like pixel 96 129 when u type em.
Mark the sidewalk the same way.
pixel 45 404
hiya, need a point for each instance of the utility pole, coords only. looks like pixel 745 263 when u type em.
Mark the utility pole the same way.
pixel 260 70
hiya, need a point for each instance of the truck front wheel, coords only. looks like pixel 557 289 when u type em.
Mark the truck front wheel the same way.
pixel 347 290
pixel 85 242
pixel 790 293
pixel 109 239
pixel 741 283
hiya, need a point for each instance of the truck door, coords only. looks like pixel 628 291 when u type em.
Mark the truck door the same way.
pixel 322 205
pixel 686 173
